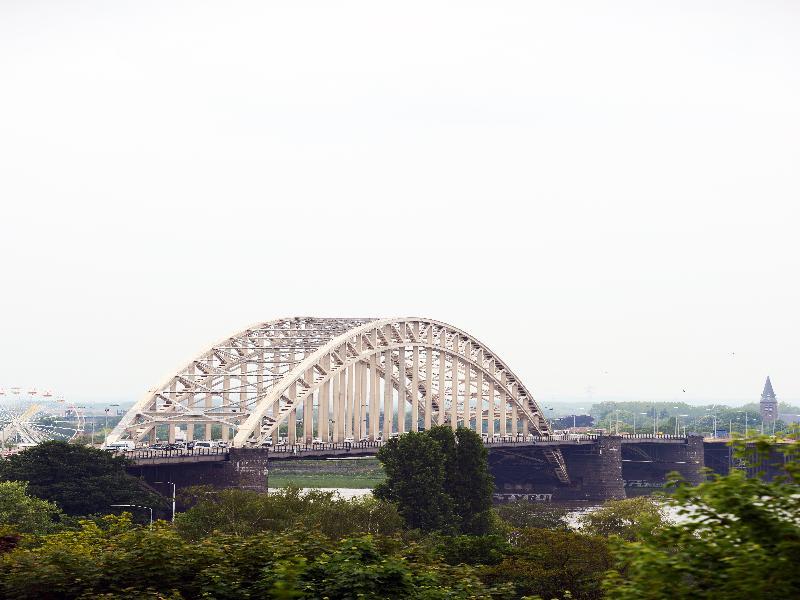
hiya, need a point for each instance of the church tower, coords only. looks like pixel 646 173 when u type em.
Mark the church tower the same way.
pixel 769 403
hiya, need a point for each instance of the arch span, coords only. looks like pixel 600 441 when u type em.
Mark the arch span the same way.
pixel 306 378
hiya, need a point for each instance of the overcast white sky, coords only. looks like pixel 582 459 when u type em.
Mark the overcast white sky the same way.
pixel 606 193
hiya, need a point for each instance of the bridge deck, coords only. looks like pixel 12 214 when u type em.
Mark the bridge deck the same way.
pixel 286 452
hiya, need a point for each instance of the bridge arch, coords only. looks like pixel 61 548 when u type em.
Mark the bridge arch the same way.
pixel 330 378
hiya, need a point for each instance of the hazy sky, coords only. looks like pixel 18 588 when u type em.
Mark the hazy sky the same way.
pixel 606 193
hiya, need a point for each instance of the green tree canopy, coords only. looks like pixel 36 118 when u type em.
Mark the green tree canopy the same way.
pixel 629 519
pixel 245 512
pixel 473 483
pixel 738 538
pixel 521 514
pixel 80 480
pixel 547 564
pixel 112 559
pixel 439 479
pixel 24 513
pixel 415 479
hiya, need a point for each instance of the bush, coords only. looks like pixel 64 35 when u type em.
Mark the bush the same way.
pixel 553 564
pixel 124 561
pixel 243 512
pixel 629 519
pixel 539 515
pixel 740 538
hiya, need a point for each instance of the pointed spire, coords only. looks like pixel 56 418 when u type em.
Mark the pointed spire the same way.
pixel 768 393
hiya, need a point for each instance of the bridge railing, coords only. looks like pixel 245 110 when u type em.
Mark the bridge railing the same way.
pixel 150 453
pixel 650 436
pixel 316 446
pixel 143 453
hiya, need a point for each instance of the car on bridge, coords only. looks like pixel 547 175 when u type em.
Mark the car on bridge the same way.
pixel 206 445
pixel 121 446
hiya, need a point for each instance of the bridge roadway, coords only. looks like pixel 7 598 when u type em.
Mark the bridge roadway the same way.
pixel 146 456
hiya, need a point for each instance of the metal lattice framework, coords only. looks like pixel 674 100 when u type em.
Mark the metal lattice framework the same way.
pixel 334 379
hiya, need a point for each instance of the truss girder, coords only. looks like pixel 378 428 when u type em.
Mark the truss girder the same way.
pixel 349 377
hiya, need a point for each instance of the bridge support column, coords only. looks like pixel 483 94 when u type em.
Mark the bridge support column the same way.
pixel 647 463
pixel 244 469
pixel 595 471
pixel 692 469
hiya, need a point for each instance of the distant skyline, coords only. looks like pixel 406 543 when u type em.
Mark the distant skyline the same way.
pixel 604 194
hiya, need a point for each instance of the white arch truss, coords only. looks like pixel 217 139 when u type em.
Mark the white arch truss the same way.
pixel 332 379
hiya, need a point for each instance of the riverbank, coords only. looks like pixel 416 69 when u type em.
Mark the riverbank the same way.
pixel 351 473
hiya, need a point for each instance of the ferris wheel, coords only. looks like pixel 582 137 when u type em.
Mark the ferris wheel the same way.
pixel 29 417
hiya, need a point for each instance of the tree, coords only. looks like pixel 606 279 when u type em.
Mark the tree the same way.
pixel 473 483
pixel 23 513
pixel 81 480
pixel 739 538
pixel 112 559
pixel 440 480
pixel 548 564
pixel 414 465
pixel 245 512
pixel 629 519
pixel 521 514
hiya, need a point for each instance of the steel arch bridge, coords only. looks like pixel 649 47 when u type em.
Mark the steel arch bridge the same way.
pixel 333 379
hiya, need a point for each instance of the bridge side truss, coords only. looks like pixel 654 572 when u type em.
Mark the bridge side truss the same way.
pixel 332 380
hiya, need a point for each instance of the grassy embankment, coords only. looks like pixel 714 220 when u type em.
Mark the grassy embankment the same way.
pixel 364 473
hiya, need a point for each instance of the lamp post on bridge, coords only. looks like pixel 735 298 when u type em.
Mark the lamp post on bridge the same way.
pixel 173 497
pixel 105 428
pixel 574 415
pixel 677 425
pixel 655 420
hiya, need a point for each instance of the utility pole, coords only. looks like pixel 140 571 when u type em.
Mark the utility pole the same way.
pixel 173 497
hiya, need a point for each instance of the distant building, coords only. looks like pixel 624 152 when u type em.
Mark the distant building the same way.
pixel 769 403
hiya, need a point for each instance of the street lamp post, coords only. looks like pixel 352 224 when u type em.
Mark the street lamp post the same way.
pixel 173 497
pixel 137 506
pixel 678 427
pixel 574 415
pixel 654 421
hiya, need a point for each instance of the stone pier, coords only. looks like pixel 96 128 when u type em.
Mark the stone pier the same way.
pixel 594 469
pixel 240 468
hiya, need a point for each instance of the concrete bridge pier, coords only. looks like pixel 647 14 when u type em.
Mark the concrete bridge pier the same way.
pixel 239 468
pixel 646 464
pixel 594 469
